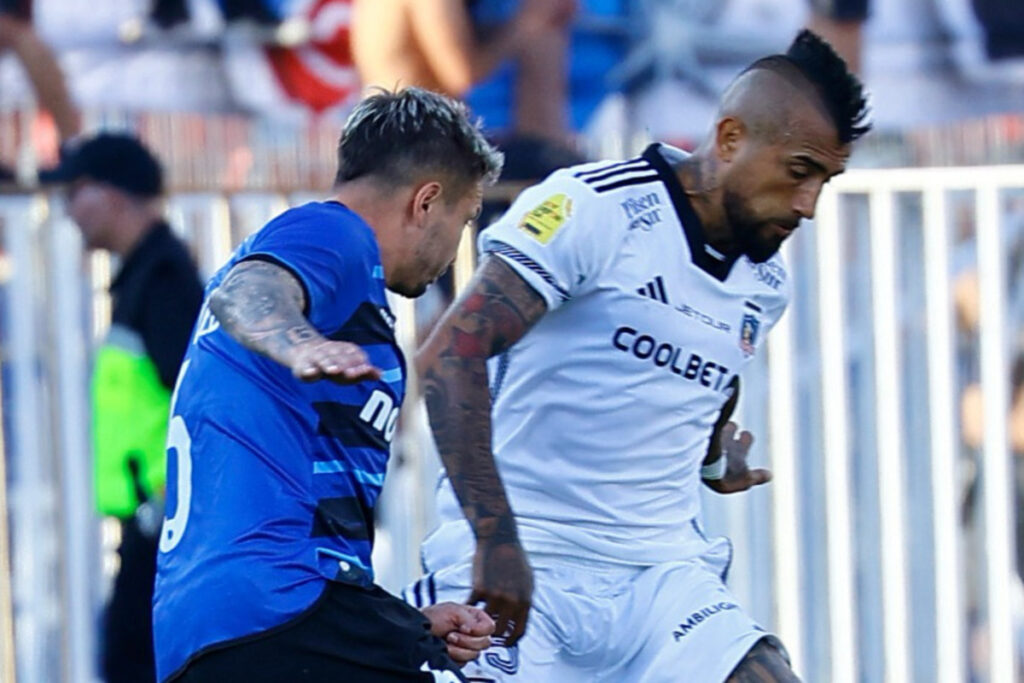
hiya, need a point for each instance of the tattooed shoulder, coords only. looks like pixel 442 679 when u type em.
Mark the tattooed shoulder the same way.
pixel 260 305
pixel 498 309
pixel 262 279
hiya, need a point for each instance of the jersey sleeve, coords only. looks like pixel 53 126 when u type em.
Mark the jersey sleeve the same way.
pixel 555 237
pixel 320 253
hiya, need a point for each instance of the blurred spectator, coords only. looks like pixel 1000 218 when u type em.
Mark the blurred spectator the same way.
pixel 967 306
pixel 436 44
pixel 1003 23
pixel 260 21
pixel 169 13
pixel 266 12
pixel 1017 435
pixel 432 43
pixel 841 23
pixel 115 187
pixel 40 64
pixel 580 56
pixel 539 135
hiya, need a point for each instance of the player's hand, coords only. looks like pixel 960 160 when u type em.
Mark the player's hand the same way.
pixel 503 581
pixel 738 476
pixel 338 361
pixel 465 629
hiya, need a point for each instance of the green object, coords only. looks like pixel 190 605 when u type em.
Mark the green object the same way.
pixel 130 408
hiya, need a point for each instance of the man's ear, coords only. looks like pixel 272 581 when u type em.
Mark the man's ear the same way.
pixel 425 199
pixel 729 134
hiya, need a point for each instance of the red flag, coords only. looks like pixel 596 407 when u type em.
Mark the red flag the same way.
pixel 288 82
pixel 319 74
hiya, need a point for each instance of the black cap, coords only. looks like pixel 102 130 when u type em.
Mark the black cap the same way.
pixel 117 159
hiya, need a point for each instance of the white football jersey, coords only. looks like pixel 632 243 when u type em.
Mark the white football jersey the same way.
pixel 603 411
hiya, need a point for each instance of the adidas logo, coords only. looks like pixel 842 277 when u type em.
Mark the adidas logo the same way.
pixel 655 289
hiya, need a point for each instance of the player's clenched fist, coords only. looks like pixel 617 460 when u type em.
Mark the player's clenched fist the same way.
pixel 338 361
pixel 465 629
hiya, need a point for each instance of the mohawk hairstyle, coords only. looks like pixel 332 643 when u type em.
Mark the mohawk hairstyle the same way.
pixel 840 91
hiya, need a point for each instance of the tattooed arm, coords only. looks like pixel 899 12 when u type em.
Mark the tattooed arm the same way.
pixel 260 304
pixel 496 310
pixel 763 663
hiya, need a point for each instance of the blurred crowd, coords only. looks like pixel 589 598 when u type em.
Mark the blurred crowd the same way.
pixel 553 81
pixel 256 90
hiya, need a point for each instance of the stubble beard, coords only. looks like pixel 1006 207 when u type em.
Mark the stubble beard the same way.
pixel 745 227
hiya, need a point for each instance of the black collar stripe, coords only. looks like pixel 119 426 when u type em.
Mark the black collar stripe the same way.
pixel 692 229
pixel 616 183
pixel 646 169
pixel 609 167
pixel 594 179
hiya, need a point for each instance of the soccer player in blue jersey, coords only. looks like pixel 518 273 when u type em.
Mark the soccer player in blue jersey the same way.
pixel 283 414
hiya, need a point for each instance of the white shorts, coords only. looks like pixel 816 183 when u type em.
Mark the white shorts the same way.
pixel 592 621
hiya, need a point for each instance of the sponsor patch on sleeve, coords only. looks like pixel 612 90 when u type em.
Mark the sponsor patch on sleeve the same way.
pixel 547 218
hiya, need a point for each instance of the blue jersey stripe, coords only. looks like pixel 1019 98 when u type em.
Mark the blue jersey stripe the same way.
pixel 391 376
pixel 342 556
pixel 338 467
pixel 341 421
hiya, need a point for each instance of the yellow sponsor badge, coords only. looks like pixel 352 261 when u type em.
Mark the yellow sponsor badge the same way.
pixel 542 222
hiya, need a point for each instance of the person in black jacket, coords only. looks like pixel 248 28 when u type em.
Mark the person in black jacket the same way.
pixel 114 190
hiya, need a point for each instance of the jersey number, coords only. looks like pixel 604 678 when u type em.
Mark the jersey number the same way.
pixel 179 447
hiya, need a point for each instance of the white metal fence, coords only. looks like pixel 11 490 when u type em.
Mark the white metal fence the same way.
pixel 862 553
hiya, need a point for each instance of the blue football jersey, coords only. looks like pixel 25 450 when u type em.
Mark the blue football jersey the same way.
pixel 271 481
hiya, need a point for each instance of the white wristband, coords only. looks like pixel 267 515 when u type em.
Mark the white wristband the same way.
pixel 715 470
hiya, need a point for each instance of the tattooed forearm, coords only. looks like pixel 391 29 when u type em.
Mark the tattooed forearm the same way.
pixel 497 309
pixel 260 305
pixel 763 664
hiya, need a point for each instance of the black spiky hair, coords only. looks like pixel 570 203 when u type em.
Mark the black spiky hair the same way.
pixel 841 92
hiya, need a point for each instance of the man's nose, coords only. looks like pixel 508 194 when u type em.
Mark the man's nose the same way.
pixel 806 199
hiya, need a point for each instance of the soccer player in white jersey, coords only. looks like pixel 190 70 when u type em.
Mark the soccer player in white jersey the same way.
pixel 577 390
